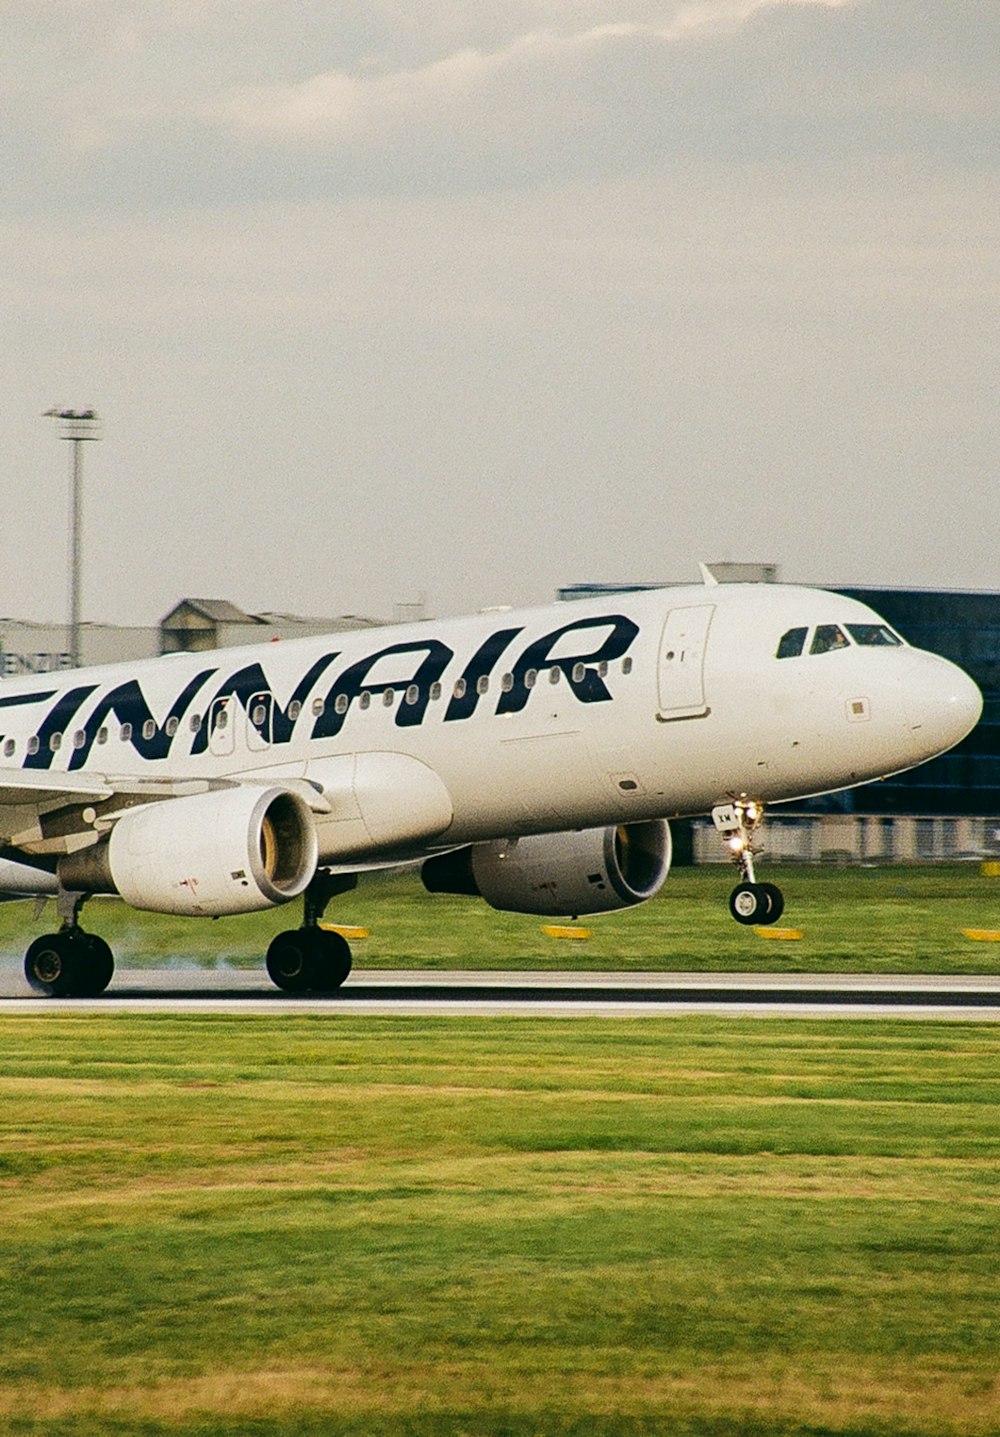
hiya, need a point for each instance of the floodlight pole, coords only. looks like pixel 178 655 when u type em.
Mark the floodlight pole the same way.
pixel 78 428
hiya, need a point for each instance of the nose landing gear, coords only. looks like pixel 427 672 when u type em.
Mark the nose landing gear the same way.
pixel 750 902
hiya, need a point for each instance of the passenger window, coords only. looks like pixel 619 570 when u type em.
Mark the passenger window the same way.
pixel 340 704
pixel 827 638
pixel 9 747
pixel 791 644
pixel 874 636
pixel 33 743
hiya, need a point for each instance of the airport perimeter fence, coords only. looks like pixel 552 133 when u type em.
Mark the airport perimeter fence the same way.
pixel 861 838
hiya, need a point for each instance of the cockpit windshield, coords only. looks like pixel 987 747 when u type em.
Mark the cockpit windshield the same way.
pixel 825 638
pixel 874 636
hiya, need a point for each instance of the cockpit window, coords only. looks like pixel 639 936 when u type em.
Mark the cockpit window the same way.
pixel 874 636
pixel 792 644
pixel 827 638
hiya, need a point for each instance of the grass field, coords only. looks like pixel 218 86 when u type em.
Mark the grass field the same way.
pixel 498 1228
pixel 873 920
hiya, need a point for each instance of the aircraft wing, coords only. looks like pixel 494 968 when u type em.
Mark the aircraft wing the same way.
pixel 42 789
pixel 55 813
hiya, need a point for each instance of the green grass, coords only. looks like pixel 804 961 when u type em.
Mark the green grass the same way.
pixel 870 920
pixel 500 1228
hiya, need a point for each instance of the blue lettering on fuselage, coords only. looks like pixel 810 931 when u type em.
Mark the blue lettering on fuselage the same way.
pixel 607 638
pixel 588 686
pixel 277 724
pixel 416 687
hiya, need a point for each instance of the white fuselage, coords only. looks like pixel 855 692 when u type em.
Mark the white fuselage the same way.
pixel 442 733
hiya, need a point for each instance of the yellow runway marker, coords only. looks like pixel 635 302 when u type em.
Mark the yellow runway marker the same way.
pixel 345 930
pixel 991 869
pixel 552 931
pixel 982 935
pixel 783 935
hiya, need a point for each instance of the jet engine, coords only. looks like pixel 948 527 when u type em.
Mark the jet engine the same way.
pixel 595 870
pixel 235 850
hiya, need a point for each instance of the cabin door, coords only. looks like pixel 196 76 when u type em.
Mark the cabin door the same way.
pixel 681 666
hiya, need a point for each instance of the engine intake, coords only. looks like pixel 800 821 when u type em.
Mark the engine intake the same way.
pixel 595 870
pixel 233 851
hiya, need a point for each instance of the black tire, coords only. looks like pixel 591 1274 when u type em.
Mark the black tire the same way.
pixel 750 903
pixel 95 965
pixel 290 960
pixel 331 962
pixel 777 901
pixel 52 965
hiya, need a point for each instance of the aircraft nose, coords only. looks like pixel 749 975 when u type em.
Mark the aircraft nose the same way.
pixel 947 703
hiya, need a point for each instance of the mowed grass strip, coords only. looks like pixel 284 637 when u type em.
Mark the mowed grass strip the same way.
pixel 511 1226
pixel 870 920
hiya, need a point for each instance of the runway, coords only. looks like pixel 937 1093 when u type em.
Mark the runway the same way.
pixel 562 994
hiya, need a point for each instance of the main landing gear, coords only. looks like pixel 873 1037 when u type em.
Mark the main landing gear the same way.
pixel 74 964
pixel 312 959
pixel 70 963
pixel 750 902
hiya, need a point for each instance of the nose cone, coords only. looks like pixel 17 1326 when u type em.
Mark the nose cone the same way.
pixel 946 704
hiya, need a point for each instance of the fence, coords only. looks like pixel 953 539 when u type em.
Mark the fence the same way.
pixel 860 838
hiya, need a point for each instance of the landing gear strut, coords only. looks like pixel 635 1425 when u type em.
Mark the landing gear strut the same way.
pixel 312 959
pixel 750 902
pixel 70 963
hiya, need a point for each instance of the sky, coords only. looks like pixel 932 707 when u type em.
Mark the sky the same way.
pixel 458 302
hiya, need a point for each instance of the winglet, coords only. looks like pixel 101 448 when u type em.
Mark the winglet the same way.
pixel 707 577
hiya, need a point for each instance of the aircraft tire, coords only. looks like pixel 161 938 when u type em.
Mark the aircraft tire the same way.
pixel 52 965
pixel 95 965
pixel 331 961
pixel 751 903
pixel 777 901
pixel 289 960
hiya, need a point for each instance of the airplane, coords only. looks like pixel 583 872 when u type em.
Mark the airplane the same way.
pixel 532 758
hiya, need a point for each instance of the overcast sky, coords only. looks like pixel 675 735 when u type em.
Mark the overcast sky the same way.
pixel 467 299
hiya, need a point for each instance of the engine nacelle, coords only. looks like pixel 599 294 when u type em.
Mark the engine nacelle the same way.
pixel 595 870
pixel 236 850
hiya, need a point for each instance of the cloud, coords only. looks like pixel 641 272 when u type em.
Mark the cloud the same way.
pixel 166 108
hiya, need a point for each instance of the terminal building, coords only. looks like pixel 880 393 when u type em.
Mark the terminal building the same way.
pixel 192 625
